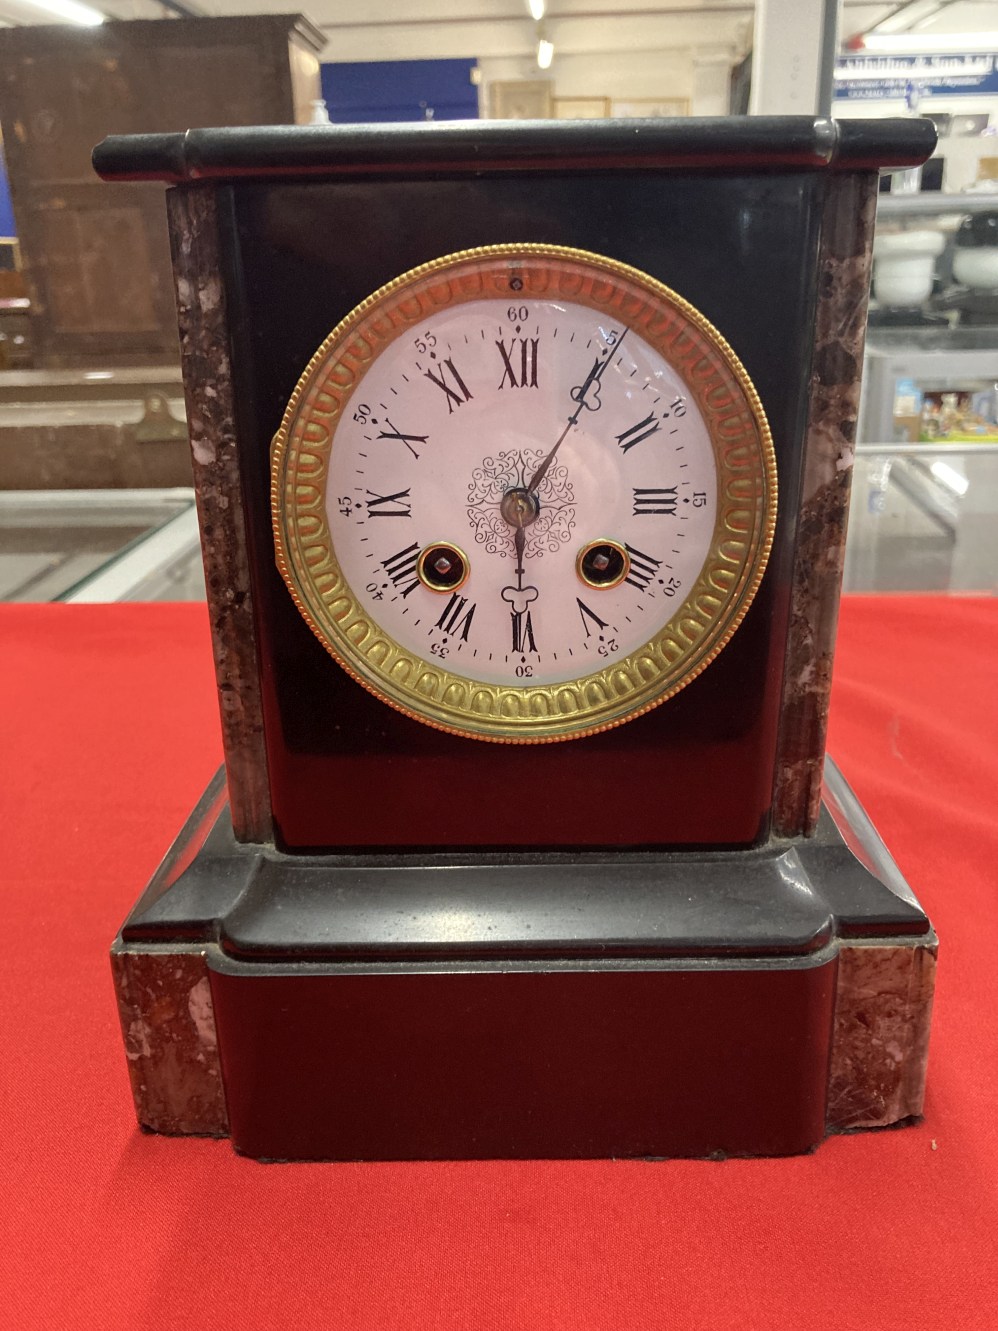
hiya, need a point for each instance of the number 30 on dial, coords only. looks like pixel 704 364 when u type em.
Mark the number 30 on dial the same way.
pixel 523 493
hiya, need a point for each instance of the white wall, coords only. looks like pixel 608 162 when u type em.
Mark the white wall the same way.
pixel 637 75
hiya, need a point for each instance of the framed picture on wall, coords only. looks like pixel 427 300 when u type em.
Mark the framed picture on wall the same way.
pixel 643 108
pixel 520 99
pixel 581 108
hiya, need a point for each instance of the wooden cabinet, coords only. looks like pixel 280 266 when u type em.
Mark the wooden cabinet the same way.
pixel 96 257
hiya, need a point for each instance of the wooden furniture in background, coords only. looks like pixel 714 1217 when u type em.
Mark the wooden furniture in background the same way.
pixel 96 258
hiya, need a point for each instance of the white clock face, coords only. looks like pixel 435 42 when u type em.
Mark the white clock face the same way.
pixel 523 493
pixel 460 414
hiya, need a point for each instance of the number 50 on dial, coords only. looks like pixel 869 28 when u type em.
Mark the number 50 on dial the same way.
pixel 523 493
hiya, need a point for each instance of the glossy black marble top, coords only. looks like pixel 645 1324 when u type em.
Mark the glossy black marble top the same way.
pixel 723 142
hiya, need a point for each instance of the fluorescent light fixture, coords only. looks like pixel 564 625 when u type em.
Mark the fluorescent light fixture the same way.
pixel 907 16
pixel 71 11
pixel 950 477
pixel 937 43
pixel 545 53
pixel 536 8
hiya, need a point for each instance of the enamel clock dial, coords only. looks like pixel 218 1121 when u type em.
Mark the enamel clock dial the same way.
pixel 523 493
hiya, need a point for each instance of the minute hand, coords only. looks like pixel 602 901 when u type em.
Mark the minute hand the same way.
pixel 594 376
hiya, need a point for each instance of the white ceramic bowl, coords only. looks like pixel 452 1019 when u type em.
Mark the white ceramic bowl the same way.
pixel 977 266
pixel 903 266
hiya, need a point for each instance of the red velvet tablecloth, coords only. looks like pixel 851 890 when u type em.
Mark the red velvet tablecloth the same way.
pixel 109 733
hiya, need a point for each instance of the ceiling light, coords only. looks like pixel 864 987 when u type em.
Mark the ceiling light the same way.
pixel 545 53
pixel 71 11
pixel 907 16
pixel 536 8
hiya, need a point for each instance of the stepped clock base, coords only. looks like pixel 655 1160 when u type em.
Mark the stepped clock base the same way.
pixel 433 1007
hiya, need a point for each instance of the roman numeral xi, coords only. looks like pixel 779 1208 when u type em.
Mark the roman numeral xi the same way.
pixel 457 391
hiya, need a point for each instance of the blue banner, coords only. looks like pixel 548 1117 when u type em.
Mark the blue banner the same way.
pixel 7 227
pixel 888 77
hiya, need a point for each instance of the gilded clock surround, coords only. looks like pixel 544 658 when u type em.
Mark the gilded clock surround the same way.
pixel 626 688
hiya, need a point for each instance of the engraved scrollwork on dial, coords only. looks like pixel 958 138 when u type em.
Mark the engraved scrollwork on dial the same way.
pixel 509 470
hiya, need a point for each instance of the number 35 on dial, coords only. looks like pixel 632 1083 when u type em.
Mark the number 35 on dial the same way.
pixel 523 493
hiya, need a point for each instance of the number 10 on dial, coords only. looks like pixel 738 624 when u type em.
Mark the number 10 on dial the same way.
pixel 523 493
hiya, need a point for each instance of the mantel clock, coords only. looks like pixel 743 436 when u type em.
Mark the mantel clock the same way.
pixel 522 456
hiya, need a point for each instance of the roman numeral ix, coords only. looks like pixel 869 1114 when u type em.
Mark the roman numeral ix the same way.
pixel 388 506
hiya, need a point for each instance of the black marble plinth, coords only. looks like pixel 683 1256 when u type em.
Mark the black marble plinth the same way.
pixel 524 1005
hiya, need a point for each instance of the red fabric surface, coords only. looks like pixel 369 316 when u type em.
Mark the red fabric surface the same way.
pixel 109 733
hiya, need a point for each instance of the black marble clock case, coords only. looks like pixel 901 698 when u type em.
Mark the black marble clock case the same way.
pixel 413 944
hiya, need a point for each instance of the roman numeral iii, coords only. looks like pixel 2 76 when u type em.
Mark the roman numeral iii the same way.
pixel 655 501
